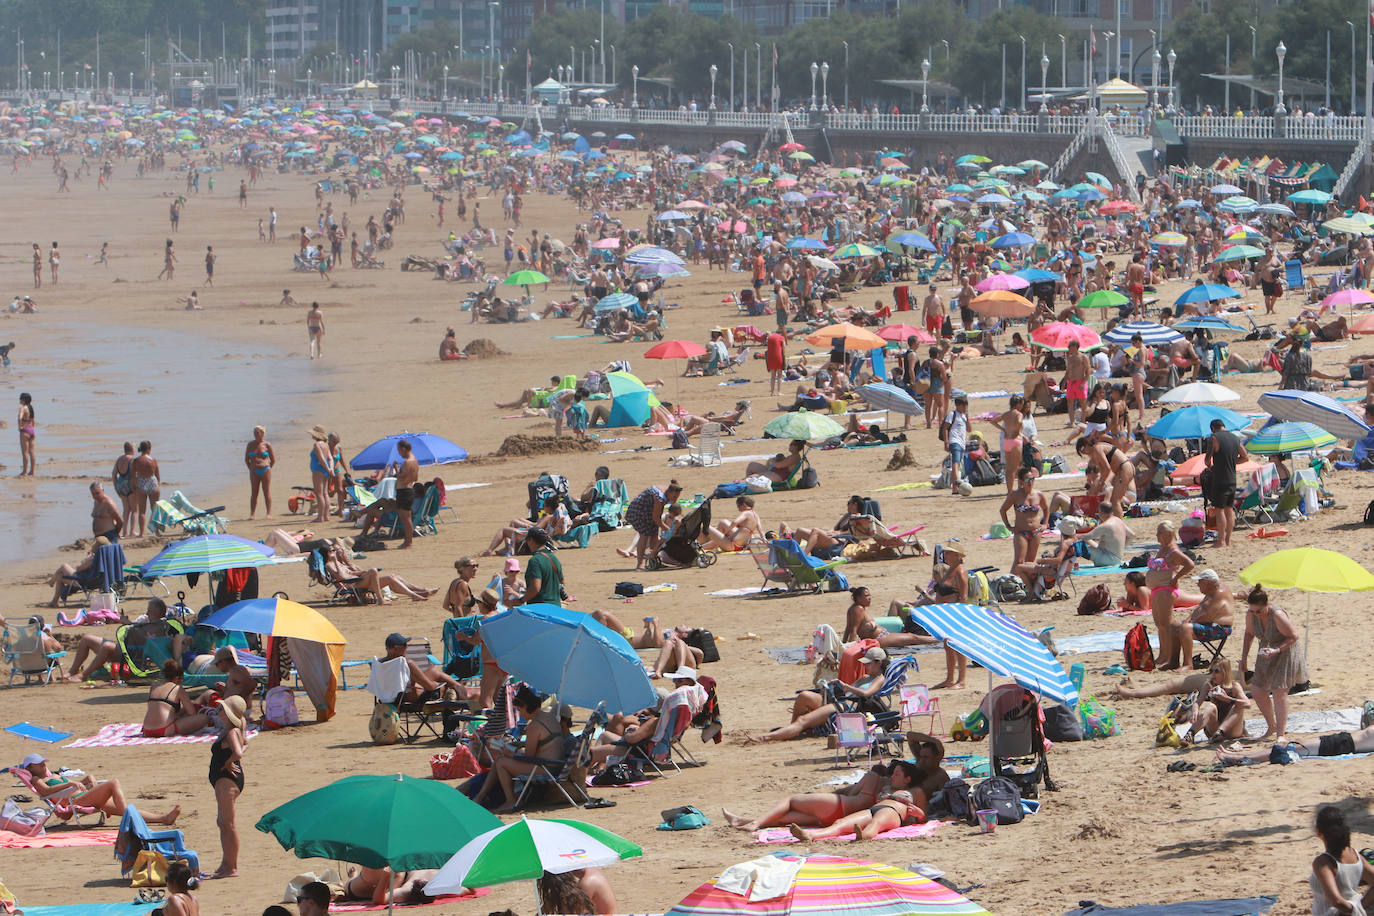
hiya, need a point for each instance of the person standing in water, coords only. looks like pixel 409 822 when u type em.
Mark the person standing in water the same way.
pixel 26 432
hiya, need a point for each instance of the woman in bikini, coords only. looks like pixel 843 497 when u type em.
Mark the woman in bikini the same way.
pixel 812 715
pixel 1220 710
pixel 731 536
pixel 1162 574
pixel 180 883
pixel 1009 425
pixel 143 472
pixel 1139 365
pixel 26 434
pixel 259 458
pixel 170 710
pixel 821 809
pixel 543 738
pixel 123 485
pixel 226 776
pixel 1118 418
pixel 459 600
pixel 321 469
pixel 1032 511
pixel 340 469
pixel 892 810
pixel 1113 465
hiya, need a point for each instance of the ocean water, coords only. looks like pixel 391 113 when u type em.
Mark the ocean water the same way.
pixel 194 397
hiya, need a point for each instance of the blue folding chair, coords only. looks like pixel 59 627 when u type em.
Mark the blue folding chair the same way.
pixel 135 836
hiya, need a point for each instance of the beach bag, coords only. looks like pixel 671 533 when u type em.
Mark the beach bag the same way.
pixel 679 439
pixel 104 601
pixel 704 640
pixel 952 802
pixel 1095 600
pixel 23 821
pixel 687 817
pixel 728 490
pixel 1167 735
pixel 619 774
pixel 1008 588
pixel 808 479
pixel 279 709
pixel 946 478
pixel 1136 649
pixel 458 763
pixel 1098 721
pixel 1062 724
pixel 385 724
pixel 983 474
pixel 629 589
pixel 997 793
pixel 758 483
pixel 150 869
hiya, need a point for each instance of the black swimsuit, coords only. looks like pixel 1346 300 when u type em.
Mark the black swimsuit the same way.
pixel 221 756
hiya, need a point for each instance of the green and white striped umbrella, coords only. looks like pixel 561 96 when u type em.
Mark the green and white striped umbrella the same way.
pixel 1279 438
pixel 207 553
pixel 526 849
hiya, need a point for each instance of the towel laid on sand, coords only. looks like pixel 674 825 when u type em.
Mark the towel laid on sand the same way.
pixel 359 907
pixel 775 835
pixel 91 909
pixel 66 839
pixel 127 734
pixel 1095 642
pixel 1312 721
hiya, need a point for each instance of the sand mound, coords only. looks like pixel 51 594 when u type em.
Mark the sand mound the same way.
pixel 522 446
pixel 901 458
pixel 482 348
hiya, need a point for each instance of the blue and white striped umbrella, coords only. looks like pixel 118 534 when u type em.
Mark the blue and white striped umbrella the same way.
pixel 207 553
pixel 1000 645
pixel 653 255
pixel 1238 204
pixel 1317 409
pixel 883 396
pixel 614 301
pixel 668 216
pixel 1153 334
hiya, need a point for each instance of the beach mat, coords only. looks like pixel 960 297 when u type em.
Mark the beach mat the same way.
pixel 360 907
pixel 788 655
pixel 735 592
pixel 37 733
pixel 1095 642
pixel 628 785
pixel 91 909
pixel 1236 906
pixel 60 840
pixel 777 835
pixel 128 734
pixel 1311 721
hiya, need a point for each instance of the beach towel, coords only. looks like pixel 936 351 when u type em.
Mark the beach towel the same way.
pixel 735 592
pixel 60 840
pixel 979 395
pixel 788 655
pixel 1231 907
pixel 775 835
pixel 359 907
pixel 1095 642
pixel 128 734
pixel 37 733
pixel 1311 721
pixel 91 909
pixel 628 785
pixel 1101 571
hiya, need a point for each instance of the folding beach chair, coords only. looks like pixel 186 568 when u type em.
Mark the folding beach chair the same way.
pixel 1255 502
pixel 707 450
pixel 851 732
pixel 60 803
pixel 417 718
pixel 772 570
pixel 917 703
pixel 143 647
pixel 177 510
pixel 21 641
pixel 135 836
pixel 806 573
pixel 566 774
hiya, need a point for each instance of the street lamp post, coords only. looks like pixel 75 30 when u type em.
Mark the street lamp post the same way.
pixel 814 70
pixel 1171 58
pixel 634 97
pixel 1254 39
pixel 1155 60
pixel 925 86
pixel 758 76
pixel 308 72
pixel 1352 66
pixel 613 70
pixel 1022 107
pixel 445 96
pixel 846 74
pixel 825 85
pixel 1282 52
pixel 500 82
pixel 713 86
pixel 1044 81
pixel 272 82
pixel 730 103
pixel 1063 62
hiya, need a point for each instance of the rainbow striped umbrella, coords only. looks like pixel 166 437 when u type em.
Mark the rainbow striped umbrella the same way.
pixel 1292 436
pixel 833 886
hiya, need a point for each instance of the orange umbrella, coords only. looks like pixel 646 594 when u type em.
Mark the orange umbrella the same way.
pixel 1363 325
pixel 1002 303
pixel 854 337
pixel 1190 469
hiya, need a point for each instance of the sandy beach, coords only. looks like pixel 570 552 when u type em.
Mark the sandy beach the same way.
pixel 112 355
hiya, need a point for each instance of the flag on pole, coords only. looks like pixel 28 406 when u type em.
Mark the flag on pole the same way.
pixel 775 47
pixel 1092 34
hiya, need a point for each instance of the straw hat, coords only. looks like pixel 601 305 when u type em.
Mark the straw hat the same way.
pixel 318 432
pixel 233 709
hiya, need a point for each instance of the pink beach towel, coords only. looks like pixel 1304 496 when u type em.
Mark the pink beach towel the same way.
pixel 628 785
pixel 771 835
pixel 127 734
pixel 63 839
pixel 447 898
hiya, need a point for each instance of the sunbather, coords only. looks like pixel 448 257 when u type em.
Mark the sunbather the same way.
pixel 822 809
pixel 811 714
pixel 340 566
pixel 381 886
pixel 58 580
pixel 734 534
pixel 892 810
pixel 780 468
pixel 170 710
pixel 553 518
pixel 106 796
pixel 674 652
pixel 1341 743
pixel 859 624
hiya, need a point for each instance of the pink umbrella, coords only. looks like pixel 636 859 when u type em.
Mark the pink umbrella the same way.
pixel 785 183
pixel 741 226
pixel 1351 297
pixel 606 244
pixel 1058 334
pixel 692 205
pixel 900 332
pixel 1001 281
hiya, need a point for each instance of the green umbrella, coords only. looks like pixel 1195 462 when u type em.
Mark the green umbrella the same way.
pixel 803 424
pixel 1102 299
pixel 375 821
pixel 856 250
pixel 525 278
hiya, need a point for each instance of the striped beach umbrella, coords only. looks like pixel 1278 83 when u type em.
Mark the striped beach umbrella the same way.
pixel 1169 240
pixel 1317 410
pixel 856 250
pixel 882 396
pixel 526 849
pixel 1151 333
pixel 833 886
pixel 1291 436
pixel 999 644
pixel 1238 204
pixel 613 301
pixel 207 553
pixel 1213 324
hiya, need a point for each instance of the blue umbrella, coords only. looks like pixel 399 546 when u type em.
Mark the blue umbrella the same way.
pixel 806 245
pixel 1317 410
pixel 653 255
pixel 207 553
pixel 670 215
pixel 1151 333
pixel 1196 422
pixel 615 301
pixel 913 240
pixel 1036 275
pixel 556 650
pixel 999 644
pixel 427 449
pixel 889 397
pixel 629 409
pixel 1206 292
pixel 1213 323
pixel 1013 240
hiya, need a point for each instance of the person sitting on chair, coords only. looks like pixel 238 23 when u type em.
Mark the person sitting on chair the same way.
pixel 543 739
pixel 812 714
pixel 1210 620
pixel 105 796
pixel 104 651
pixel 426 684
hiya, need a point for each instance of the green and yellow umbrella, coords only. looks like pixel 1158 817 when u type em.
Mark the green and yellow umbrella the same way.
pixel 1309 569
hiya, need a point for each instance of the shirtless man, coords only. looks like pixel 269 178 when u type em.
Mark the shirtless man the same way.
pixel 965 300
pixel 238 681
pixel 933 310
pixel 406 476
pixel 1077 369
pixel 105 518
pixel 314 326
pixel 1135 282
pixel 733 535
pixel 1209 620
pixel 1267 273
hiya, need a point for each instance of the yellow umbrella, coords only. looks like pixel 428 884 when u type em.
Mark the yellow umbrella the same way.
pixel 1309 569
pixel 854 337
pixel 1002 303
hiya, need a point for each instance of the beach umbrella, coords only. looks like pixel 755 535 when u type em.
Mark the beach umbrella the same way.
pixel 1103 299
pixel 650 254
pixel 856 250
pixel 276 617
pixel 913 240
pixel 1058 334
pixel 670 215
pixel 828 885
pixel 556 650
pixel 900 332
pixel 993 198
pixel 631 400
pixel 1319 410
pixel 1013 240
pixel 675 349
pixel 1289 436
pixel 1238 204
pixel 526 279
pixel 1239 253
pixel 1275 210
pixel 661 269
pixel 1308 569
pixel 525 849
pixel 1196 422
pixel 371 821
pixel 1151 333
pixel 607 244
pixel 887 397
pixel 1214 324
pixel 207 553
pixel 1001 281
pixel 1351 297
pixel 1227 189
pixel 1002 303
pixel 1198 393
pixel 1205 292
pixel 1036 275
pixel 801 244
pixel 1346 226
pixel 613 301
pixel 999 644
pixel 1189 470
pixel 803 424
pixel 853 337
pixel 1309 196
pixel 426 448
pixel 1169 240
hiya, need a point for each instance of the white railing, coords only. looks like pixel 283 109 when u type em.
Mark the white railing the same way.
pixel 1247 128
pixel 1352 165
pixel 1118 157
pixel 1084 132
pixel 1318 128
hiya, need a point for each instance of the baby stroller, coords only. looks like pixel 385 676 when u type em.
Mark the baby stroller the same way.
pixel 681 550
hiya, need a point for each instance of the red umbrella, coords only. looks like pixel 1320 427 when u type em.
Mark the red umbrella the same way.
pixel 791 147
pixel 900 332
pixel 1056 336
pixel 1117 206
pixel 675 349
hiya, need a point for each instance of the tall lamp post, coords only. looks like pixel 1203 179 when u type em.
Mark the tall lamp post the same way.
pixel 713 86
pixel 1155 60
pixel 1352 66
pixel 825 82
pixel 308 71
pixel 1022 106
pixel 1044 81
pixel 814 70
pixel 730 102
pixel 634 96
pixel 846 74
pixel 925 86
pixel 1171 58
pixel 1282 52
pixel 446 83
pixel 1063 62
pixel 500 82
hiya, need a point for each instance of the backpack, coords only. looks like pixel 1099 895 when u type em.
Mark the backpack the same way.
pixel 704 640
pixel 998 793
pixel 385 724
pixel 952 802
pixel 983 474
pixel 279 709
pixel 1095 600
pixel 1008 588
pixel 679 439
pixel 979 589
pixel 1139 655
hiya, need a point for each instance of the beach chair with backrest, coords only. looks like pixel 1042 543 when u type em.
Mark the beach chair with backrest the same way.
pixel 707 451
pixel 22 642
pixel 143 647
pixel 1255 502
pixel 806 572
pixel 105 574
pixel 418 717
pixel 344 590
pixel 566 774
pixel 917 703
pixel 177 510
pixel 135 836
pixel 59 803
pixel 791 481
pixel 674 720
pixel 773 572
pixel 851 732
pixel 610 502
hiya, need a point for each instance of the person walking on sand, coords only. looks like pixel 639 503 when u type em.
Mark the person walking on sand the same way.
pixel 54 261
pixel 169 261
pixel 37 266
pixel 25 423
pixel 314 326
pixel 209 265
pixel 226 776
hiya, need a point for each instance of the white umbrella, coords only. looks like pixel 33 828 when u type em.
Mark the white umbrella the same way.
pixel 1151 333
pixel 823 263
pixel 1198 393
pixel 1317 409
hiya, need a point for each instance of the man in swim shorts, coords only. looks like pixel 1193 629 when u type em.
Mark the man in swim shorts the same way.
pixel 406 477
pixel 105 518
pixel 1077 369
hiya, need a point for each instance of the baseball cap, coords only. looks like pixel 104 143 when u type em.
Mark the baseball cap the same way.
pixel 875 654
pixel 684 673
pixel 396 639
pixel 1209 575
pixel 32 759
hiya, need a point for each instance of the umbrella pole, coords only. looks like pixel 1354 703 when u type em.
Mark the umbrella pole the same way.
pixel 391 895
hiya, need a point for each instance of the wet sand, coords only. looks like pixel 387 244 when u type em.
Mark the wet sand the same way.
pixel 1120 830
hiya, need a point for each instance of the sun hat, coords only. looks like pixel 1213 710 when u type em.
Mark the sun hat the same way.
pixel 318 432
pixel 1068 527
pixel 489 596
pixel 684 673
pixel 233 709
pixel 512 564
